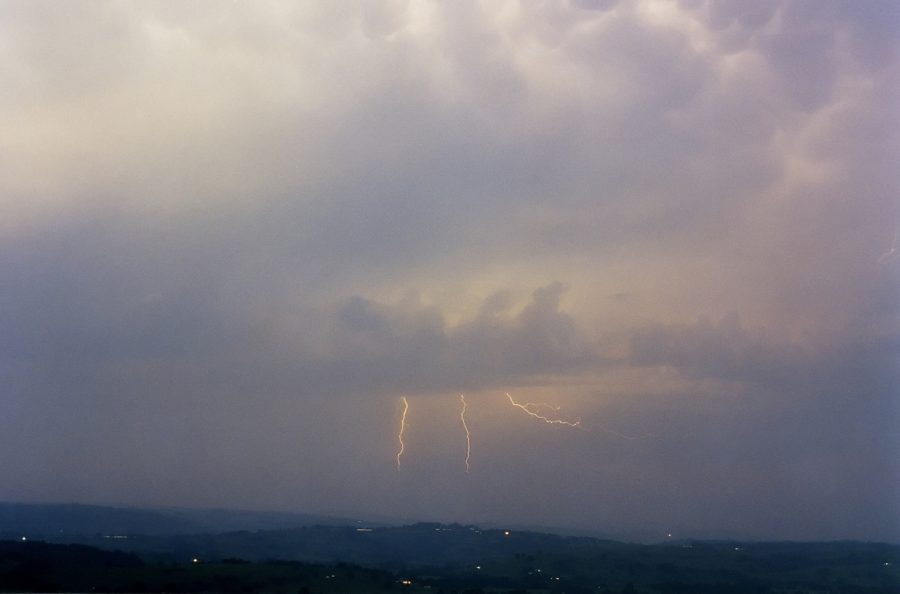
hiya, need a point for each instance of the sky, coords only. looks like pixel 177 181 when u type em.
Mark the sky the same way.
pixel 234 235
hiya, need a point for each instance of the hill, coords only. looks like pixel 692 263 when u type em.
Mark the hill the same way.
pixel 52 520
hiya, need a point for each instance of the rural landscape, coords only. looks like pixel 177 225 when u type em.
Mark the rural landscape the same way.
pixel 326 556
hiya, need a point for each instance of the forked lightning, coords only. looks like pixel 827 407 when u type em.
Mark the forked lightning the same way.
pixel 402 429
pixel 531 409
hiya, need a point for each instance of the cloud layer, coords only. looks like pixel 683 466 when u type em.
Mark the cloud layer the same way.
pixel 234 233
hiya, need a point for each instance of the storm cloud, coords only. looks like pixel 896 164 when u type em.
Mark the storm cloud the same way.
pixel 234 234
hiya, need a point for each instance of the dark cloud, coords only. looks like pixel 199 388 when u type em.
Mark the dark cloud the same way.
pixel 408 347
pixel 722 349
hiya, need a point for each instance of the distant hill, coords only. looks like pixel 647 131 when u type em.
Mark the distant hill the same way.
pixel 56 520
pixel 421 544
pixel 434 558
pixel 189 550
pixel 231 520
pixel 42 567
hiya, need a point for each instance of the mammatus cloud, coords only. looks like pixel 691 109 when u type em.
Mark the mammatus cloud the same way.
pixel 274 219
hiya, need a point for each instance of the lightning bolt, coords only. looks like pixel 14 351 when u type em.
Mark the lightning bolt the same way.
pixel 540 405
pixel 462 417
pixel 402 429
pixel 529 408
pixel 533 408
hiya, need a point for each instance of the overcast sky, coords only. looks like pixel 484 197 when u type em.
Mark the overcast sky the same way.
pixel 234 234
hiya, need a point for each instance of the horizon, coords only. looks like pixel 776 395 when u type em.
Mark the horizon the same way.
pixel 398 522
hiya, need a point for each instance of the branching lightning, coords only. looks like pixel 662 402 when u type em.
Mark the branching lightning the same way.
pixel 462 417
pixel 402 429
pixel 540 405
pixel 537 410
pixel 532 408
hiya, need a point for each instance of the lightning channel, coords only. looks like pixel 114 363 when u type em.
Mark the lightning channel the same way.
pixel 462 417
pixel 529 408
pixel 402 429
pixel 540 405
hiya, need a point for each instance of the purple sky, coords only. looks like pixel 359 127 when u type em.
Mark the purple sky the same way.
pixel 233 235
